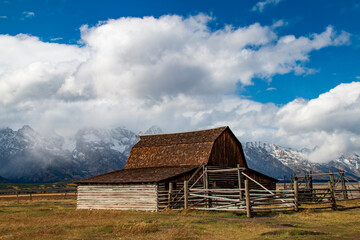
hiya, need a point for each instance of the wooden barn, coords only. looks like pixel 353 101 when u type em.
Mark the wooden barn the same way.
pixel 161 168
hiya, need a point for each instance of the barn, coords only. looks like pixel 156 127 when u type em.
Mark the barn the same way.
pixel 161 166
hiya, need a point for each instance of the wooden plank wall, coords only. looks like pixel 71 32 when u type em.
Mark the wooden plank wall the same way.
pixel 121 196
pixel 227 152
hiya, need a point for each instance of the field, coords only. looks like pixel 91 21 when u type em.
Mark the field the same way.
pixel 58 219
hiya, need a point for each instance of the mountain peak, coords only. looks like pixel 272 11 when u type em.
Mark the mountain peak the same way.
pixel 154 130
pixel 26 128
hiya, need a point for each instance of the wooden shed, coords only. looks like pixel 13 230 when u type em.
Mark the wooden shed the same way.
pixel 154 175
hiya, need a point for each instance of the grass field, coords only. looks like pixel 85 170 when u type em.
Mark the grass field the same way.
pixel 58 219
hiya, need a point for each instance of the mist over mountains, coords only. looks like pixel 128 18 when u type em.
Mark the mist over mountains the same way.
pixel 27 156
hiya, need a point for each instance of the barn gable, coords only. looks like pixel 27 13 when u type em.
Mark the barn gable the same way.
pixel 218 147
pixel 227 151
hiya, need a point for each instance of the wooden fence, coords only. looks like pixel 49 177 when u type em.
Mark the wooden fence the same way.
pixel 196 194
pixel 30 193
pixel 314 192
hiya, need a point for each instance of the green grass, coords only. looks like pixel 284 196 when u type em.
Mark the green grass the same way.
pixel 58 219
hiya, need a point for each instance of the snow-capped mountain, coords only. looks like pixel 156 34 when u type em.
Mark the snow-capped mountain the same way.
pixel 154 130
pixel 27 156
pixel 101 151
pixel 278 161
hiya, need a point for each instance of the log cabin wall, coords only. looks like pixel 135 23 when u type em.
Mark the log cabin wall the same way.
pixel 227 151
pixel 119 196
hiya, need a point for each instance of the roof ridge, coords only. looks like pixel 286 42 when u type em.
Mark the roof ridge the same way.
pixel 194 131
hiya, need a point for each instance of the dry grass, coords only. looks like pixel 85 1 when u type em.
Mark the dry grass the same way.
pixel 58 219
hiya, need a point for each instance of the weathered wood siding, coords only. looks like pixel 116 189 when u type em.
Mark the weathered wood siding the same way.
pixel 118 196
pixel 227 152
pixel 268 183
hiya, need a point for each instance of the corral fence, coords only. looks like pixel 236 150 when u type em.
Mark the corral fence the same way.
pixel 300 193
pixel 315 192
pixel 34 193
pixel 197 193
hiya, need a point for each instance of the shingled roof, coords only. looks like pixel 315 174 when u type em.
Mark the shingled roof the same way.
pixel 139 175
pixel 174 149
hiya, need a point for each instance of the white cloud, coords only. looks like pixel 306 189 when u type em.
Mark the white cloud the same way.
pixel 279 23
pixel 330 121
pixel 174 72
pixel 28 14
pixel 270 89
pixel 260 6
pixel 56 39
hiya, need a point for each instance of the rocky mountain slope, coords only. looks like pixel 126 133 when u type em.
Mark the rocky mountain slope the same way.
pixel 278 162
pixel 27 156
pixel 3 180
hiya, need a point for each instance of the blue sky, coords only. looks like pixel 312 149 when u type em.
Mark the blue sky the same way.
pixel 282 71
pixel 59 21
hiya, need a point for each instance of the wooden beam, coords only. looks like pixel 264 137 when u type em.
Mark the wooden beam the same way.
pixel 296 195
pixel 239 181
pixel 343 185
pixel 332 194
pixel 170 194
pixel 186 194
pixel 247 196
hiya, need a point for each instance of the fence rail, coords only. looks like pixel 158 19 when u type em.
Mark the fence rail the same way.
pixel 34 191
pixel 21 193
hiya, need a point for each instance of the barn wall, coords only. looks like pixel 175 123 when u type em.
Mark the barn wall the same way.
pixel 118 196
pixel 227 152
pixel 266 182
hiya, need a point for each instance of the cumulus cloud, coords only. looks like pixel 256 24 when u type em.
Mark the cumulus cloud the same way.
pixel 174 72
pixel 260 6
pixel 330 121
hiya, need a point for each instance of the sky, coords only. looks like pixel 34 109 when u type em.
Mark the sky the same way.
pixel 278 71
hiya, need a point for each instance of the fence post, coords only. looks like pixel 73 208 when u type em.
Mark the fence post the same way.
pixel 170 194
pixel 247 196
pixel 332 178
pixel 186 194
pixel 30 197
pixel 343 185
pixel 17 196
pixel 284 183
pixel 333 200
pixel 239 180
pixel 296 195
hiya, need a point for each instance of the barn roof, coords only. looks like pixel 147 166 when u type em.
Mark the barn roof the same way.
pixel 174 149
pixel 139 175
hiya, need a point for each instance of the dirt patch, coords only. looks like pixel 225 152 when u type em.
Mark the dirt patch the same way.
pixel 285 225
pixel 294 232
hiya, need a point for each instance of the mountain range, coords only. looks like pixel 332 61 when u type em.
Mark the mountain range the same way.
pixel 28 156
